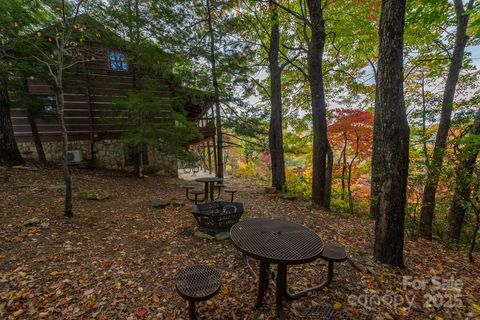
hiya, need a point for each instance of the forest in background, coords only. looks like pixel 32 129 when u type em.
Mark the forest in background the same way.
pixel 350 62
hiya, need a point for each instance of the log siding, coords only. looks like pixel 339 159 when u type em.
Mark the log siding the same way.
pixel 90 90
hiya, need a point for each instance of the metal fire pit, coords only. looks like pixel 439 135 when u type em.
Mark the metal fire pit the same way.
pixel 217 216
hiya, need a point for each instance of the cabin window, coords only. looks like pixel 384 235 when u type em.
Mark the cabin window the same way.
pixel 118 61
pixel 48 105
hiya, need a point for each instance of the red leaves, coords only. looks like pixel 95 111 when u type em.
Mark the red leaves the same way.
pixel 351 135
pixel 142 312
pixel 348 119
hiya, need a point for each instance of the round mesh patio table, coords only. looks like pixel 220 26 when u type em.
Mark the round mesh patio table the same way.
pixel 276 241
pixel 209 186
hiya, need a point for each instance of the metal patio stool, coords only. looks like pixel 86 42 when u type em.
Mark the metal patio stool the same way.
pixel 324 312
pixel 219 187
pixel 332 253
pixel 232 192
pixel 196 193
pixel 197 282
pixel 187 190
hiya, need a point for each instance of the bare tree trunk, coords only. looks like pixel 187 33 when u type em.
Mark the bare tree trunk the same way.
pixel 214 145
pixel 344 164
pixel 475 234
pixel 392 138
pixel 36 139
pixel 91 106
pixel 462 187
pixel 218 119
pixel 138 154
pixel 66 170
pixel 376 174
pixel 349 181
pixel 137 161
pixel 57 75
pixel 209 157
pixel 424 122
pixel 329 175
pixel 275 132
pixel 315 77
pixel 134 35
pixel 33 125
pixel 428 203
pixel 349 190
pixel 9 153
pixel 475 202
pixel 61 114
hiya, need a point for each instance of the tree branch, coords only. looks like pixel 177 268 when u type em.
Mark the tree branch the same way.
pixel 290 11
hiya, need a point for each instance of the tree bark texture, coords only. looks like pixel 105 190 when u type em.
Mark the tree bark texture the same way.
pixel 375 177
pixel 36 139
pixel 68 212
pixel 218 119
pixel 275 132
pixel 138 154
pixel 392 138
pixel 315 77
pixel 134 36
pixel 66 170
pixel 31 115
pixel 343 158
pixel 9 153
pixel 349 179
pixel 462 187
pixel 329 176
pixel 428 202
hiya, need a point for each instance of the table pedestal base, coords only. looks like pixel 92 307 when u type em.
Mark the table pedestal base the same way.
pixel 275 241
pixel 282 285
pixel 281 289
pixel 262 282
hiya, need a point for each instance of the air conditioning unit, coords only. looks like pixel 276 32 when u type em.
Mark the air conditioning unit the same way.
pixel 74 157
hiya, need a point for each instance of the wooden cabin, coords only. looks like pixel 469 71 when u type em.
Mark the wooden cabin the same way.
pixel 90 90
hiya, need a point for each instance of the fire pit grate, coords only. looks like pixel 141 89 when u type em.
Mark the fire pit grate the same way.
pixel 217 216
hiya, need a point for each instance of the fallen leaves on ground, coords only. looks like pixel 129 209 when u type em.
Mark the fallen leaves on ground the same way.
pixel 117 258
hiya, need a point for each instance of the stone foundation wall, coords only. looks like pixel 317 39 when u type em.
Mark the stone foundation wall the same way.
pixel 110 154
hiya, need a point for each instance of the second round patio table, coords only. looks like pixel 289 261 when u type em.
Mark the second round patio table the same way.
pixel 276 241
pixel 209 186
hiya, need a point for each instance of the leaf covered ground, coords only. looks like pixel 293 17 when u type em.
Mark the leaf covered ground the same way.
pixel 117 258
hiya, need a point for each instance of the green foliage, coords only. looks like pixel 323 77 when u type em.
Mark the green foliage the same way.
pixel 247 171
pixel 153 121
pixel 18 20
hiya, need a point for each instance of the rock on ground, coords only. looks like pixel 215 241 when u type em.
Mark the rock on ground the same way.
pixel 222 236
pixel 287 196
pixel 97 194
pixel 268 189
pixel 177 202
pixel 31 222
pixel 159 204
pixel 203 235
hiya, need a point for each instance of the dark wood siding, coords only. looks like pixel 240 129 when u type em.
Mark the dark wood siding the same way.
pixel 90 89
